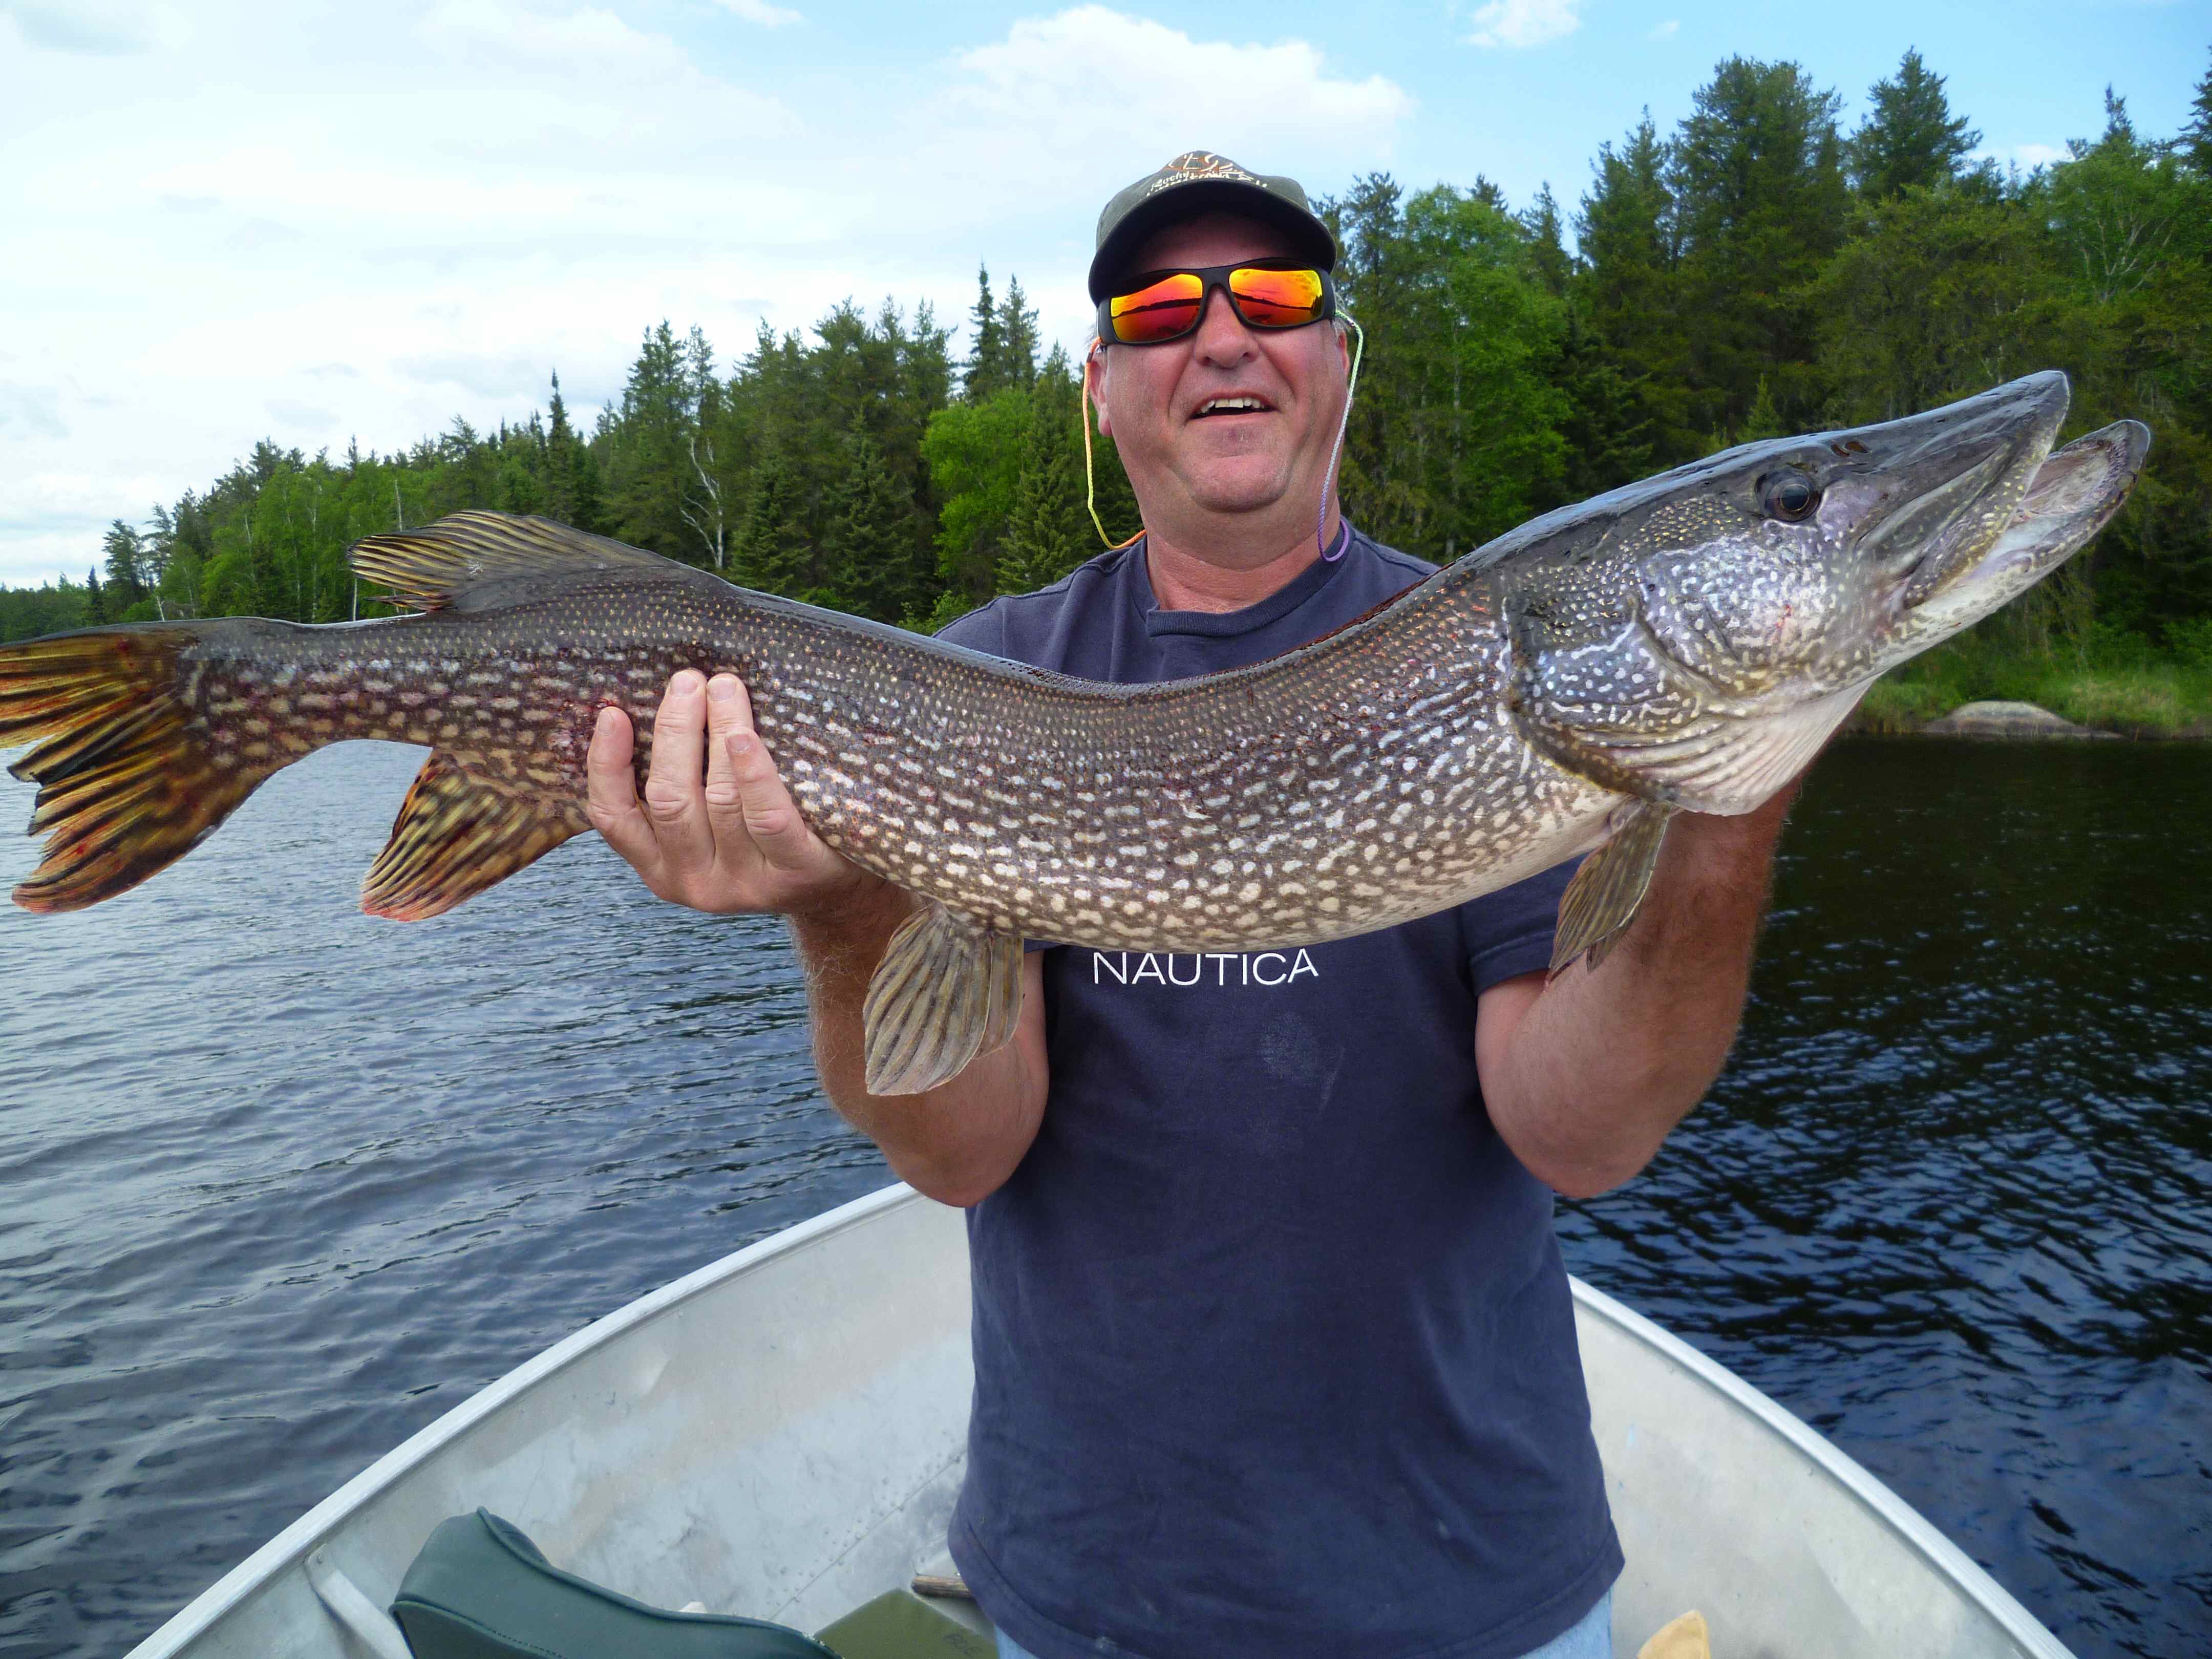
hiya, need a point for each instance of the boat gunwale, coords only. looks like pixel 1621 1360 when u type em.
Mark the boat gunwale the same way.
pixel 1946 1558
pixel 293 1546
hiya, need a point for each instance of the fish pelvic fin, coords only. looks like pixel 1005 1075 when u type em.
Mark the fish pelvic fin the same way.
pixel 947 990
pixel 457 834
pixel 435 567
pixel 1602 899
pixel 128 782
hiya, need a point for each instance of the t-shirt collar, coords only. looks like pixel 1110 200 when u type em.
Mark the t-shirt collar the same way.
pixel 1228 624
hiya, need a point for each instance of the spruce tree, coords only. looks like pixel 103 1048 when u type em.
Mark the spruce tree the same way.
pixel 2194 144
pixel 985 358
pixel 1017 337
pixel 1911 139
pixel 562 452
pixel 1049 533
pixel 871 552
pixel 1761 203
pixel 126 554
pixel 772 553
pixel 1629 291
pixel 95 603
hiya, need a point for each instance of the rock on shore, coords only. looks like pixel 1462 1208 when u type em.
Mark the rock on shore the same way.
pixel 2006 719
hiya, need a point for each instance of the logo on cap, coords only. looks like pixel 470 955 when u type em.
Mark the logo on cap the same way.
pixel 1194 165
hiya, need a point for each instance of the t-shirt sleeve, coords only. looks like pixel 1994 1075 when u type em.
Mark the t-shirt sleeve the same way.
pixel 1508 932
pixel 984 629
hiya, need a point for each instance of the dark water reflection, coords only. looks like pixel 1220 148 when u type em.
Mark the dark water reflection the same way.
pixel 279 1184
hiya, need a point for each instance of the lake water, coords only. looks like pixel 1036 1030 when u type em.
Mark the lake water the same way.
pixel 279 1183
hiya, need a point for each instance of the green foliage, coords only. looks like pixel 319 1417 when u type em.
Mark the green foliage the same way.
pixel 1911 141
pixel 974 453
pixel 868 542
pixel 1047 532
pixel 1752 273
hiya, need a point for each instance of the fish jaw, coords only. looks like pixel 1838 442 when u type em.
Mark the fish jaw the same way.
pixel 2073 495
pixel 1693 639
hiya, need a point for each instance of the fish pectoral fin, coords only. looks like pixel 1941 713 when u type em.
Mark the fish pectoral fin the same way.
pixel 434 567
pixel 1602 899
pixel 947 990
pixel 456 835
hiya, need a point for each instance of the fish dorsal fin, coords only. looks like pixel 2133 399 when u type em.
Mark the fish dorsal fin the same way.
pixel 433 568
pixel 455 836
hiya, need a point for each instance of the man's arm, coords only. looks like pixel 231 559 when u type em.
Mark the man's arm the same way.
pixel 717 831
pixel 1585 1076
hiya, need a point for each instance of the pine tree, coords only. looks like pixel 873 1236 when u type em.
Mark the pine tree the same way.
pixel 1911 139
pixel 871 552
pixel 772 553
pixel 1545 250
pixel 1760 203
pixel 986 354
pixel 124 552
pixel 1049 533
pixel 2194 144
pixel 562 453
pixel 96 612
pixel 1629 291
pixel 1017 337
pixel 1764 421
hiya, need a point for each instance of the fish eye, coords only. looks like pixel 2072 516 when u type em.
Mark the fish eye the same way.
pixel 1788 495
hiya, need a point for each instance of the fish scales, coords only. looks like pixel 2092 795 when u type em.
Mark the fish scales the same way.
pixel 1685 643
pixel 1344 787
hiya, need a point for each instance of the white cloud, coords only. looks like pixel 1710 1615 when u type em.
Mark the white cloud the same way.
pixel 1667 30
pixel 2026 157
pixel 1081 103
pixel 284 226
pixel 759 11
pixel 1524 23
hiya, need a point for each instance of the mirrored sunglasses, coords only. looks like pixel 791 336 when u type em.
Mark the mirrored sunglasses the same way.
pixel 1166 305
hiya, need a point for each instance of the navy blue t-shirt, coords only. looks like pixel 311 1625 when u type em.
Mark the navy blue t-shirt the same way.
pixel 1274 1353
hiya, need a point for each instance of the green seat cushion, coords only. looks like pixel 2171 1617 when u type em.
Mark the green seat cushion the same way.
pixel 900 1624
pixel 480 1590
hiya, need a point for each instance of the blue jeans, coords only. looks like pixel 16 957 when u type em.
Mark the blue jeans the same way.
pixel 1591 1639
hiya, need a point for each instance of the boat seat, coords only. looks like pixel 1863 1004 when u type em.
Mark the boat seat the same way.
pixel 479 1589
pixel 900 1624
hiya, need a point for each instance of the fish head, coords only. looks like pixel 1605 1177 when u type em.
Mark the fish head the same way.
pixel 1694 638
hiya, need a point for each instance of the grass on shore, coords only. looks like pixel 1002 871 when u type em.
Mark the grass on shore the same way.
pixel 2117 682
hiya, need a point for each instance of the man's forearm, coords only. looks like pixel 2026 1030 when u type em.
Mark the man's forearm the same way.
pixel 956 1143
pixel 1604 1064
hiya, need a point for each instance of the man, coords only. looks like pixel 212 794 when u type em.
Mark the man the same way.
pixel 1274 1352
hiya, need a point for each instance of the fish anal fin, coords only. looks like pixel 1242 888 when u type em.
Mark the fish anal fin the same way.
pixel 456 835
pixel 947 990
pixel 1602 899
pixel 433 569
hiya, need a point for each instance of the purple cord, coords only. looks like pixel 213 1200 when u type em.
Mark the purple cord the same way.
pixel 1334 551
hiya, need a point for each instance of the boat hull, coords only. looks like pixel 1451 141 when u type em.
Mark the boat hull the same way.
pixel 783 1434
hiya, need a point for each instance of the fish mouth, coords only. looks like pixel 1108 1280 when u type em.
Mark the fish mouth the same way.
pixel 2071 496
pixel 1946 484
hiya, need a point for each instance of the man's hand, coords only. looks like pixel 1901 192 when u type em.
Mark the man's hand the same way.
pixel 1584 1075
pixel 717 830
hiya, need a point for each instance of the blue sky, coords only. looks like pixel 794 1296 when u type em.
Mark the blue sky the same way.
pixel 315 222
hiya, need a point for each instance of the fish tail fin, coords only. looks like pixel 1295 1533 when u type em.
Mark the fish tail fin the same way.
pixel 127 784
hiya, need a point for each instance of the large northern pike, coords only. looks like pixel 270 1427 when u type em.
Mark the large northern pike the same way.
pixel 1684 642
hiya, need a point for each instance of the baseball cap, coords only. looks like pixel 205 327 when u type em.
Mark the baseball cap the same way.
pixel 1196 182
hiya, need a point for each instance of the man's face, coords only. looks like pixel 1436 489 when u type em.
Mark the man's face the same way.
pixel 1162 402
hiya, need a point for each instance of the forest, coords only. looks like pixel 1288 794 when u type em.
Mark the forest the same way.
pixel 1759 271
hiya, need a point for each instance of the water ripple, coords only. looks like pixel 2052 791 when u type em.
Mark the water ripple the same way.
pixel 283 1183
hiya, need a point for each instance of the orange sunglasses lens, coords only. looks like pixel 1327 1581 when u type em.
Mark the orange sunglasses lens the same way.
pixel 1159 311
pixel 1277 299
